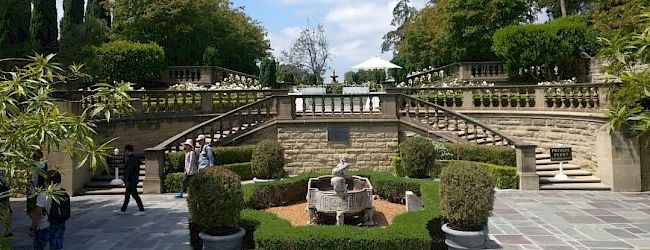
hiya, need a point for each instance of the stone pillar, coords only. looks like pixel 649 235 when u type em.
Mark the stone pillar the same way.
pixel 285 108
pixel 206 102
pixel 644 147
pixel 71 107
pixel 154 167
pixel 527 167
pixel 540 98
pixel 389 106
pixel 603 96
pixel 137 105
pixel 619 160
pixel 468 99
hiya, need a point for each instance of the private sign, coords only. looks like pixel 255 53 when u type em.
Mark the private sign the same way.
pixel 561 154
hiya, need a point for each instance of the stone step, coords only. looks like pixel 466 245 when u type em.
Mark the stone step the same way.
pixel 574 186
pixel 573 179
pixel 550 167
pixel 539 150
pixel 541 156
pixel 107 191
pixel 110 177
pixel 547 162
pixel 577 172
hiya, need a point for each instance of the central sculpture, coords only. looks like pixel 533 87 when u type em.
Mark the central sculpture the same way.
pixel 340 195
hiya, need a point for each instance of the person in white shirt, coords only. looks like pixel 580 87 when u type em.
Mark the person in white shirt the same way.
pixel 191 165
pixel 38 180
pixel 43 230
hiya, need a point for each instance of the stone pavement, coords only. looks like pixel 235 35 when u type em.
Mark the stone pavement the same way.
pixel 522 220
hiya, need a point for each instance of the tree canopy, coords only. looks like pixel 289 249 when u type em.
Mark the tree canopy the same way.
pixel 14 27
pixel 185 28
pixel 310 51
pixel 44 28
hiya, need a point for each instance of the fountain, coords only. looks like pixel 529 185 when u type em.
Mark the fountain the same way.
pixel 340 195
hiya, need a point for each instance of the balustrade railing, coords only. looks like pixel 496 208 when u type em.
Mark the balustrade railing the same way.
pixel 198 74
pixel 464 71
pixel 572 97
pixel 346 105
pixel 161 102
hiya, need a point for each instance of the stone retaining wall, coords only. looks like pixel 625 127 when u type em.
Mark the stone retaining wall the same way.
pixel 306 147
pixel 549 130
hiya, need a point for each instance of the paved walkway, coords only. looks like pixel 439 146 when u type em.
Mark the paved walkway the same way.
pixel 522 220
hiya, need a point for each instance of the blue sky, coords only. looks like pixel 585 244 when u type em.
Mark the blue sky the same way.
pixel 354 28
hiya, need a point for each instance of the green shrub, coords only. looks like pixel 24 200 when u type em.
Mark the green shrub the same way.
pixel 173 182
pixel 396 163
pixel 128 61
pixel 504 177
pixel 557 43
pixel 467 197
pixel 390 188
pixel 230 155
pixel 268 73
pixel 268 160
pixel 244 170
pixel 418 157
pixel 215 200
pixel 276 193
pixel 413 230
pixel 499 155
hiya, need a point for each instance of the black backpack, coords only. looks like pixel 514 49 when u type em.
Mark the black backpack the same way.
pixel 60 211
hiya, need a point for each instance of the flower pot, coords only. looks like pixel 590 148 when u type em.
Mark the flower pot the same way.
pixel 228 242
pixel 464 239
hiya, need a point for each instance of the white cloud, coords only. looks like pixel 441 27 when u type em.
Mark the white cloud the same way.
pixel 283 40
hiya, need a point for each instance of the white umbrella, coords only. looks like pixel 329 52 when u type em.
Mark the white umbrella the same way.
pixel 376 63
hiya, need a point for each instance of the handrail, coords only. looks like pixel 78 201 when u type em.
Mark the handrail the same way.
pixel 466 118
pixel 234 72
pixel 501 87
pixel 164 145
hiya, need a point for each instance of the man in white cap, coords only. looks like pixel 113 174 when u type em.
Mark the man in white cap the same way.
pixel 206 157
pixel 190 165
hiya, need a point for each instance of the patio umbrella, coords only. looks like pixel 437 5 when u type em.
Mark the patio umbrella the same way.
pixel 376 63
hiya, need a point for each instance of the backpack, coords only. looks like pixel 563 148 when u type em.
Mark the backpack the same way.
pixel 60 211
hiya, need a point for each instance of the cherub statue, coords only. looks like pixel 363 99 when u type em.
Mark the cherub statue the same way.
pixel 341 169
pixel 339 172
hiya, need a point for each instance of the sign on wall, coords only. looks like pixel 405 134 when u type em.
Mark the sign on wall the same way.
pixel 116 161
pixel 338 134
pixel 561 154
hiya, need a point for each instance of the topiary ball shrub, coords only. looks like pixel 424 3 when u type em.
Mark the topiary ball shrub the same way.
pixel 467 197
pixel 215 200
pixel 268 160
pixel 418 157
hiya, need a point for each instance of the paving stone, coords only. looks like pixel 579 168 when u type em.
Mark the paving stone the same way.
pixel 598 212
pixel 603 205
pixel 623 234
pixel 613 219
pixel 546 240
pixel 528 231
pixel 639 243
pixel 634 230
pixel 583 220
pixel 605 244
pixel 512 239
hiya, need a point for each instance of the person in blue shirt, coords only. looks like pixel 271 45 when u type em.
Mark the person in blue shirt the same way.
pixel 206 156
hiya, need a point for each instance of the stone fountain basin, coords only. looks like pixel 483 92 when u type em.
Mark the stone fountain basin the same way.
pixel 322 197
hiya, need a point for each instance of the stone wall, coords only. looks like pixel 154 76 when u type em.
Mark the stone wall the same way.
pixel 549 129
pixel 306 147
pixel 644 145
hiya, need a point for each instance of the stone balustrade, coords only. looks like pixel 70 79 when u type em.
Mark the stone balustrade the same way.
pixel 572 97
pixel 198 74
pixel 464 71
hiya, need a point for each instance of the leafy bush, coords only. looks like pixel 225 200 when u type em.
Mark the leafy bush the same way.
pixel 499 155
pixel 467 197
pixel 390 188
pixel 268 160
pixel 418 157
pixel 215 191
pixel 175 161
pixel 276 193
pixel 396 163
pixel 557 43
pixel 413 230
pixel 504 177
pixel 244 170
pixel 173 182
pixel 128 61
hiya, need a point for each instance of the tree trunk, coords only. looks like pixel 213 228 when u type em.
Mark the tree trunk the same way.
pixel 563 7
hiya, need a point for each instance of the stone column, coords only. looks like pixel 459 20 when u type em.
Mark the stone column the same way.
pixel 206 102
pixel 71 107
pixel 619 160
pixel 154 167
pixel 468 99
pixel 388 106
pixel 285 108
pixel 137 105
pixel 527 167
pixel 540 98
pixel 603 96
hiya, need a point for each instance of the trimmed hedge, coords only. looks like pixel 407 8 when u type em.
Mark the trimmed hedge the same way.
pixel 276 193
pixel 467 197
pixel 268 160
pixel 418 157
pixel 175 161
pixel 128 61
pixel 413 230
pixel 173 180
pixel 499 155
pixel 503 176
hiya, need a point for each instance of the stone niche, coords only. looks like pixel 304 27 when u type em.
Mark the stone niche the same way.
pixel 307 148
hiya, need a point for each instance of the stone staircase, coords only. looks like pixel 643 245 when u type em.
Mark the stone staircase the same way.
pixel 579 179
pixel 101 184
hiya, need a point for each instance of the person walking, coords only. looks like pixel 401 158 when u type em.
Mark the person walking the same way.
pixel 50 215
pixel 206 156
pixel 191 164
pixel 37 182
pixel 131 174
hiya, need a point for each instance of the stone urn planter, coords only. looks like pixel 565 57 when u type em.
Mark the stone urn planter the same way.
pixel 464 239
pixel 227 242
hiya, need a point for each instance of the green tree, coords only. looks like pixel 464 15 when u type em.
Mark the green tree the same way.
pixel 268 72
pixel 98 9
pixel 572 7
pixel 185 28
pixel 44 29
pixel 349 77
pixel 402 13
pixel 78 42
pixel 629 102
pixel 14 27
pixel 612 16
pixel 310 51
pixel 29 121
pixel 73 15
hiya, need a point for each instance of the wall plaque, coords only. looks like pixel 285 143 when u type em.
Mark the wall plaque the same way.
pixel 561 154
pixel 338 134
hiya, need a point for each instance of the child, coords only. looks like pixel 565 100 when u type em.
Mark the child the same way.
pixel 191 165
